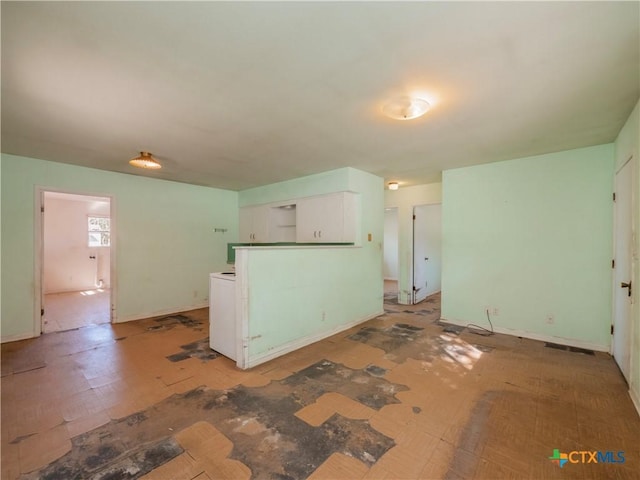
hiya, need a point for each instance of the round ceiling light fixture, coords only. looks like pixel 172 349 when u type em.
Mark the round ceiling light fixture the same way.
pixel 406 108
pixel 393 185
pixel 145 160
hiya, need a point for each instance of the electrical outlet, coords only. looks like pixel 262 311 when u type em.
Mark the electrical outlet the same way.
pixel 550 319
pixel 496 311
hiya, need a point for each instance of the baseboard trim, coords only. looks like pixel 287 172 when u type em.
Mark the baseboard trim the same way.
pixel 159 313
pixel 15 338
pixel 572 342
pixel 635 399
pixel 303 342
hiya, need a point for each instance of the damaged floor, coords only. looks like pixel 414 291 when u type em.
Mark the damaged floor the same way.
pixel 401 396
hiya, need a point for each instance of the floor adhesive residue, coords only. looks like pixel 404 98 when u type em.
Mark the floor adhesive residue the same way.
pixel 260 421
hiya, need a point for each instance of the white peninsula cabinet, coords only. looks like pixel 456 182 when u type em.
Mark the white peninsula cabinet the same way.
pixel 326 218
pixel 254 224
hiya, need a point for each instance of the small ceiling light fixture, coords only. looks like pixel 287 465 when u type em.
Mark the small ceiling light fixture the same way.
pixel 145 160
pixel 393 185
pixel 406 108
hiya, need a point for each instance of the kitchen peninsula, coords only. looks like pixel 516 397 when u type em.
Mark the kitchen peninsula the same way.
pixel 320 273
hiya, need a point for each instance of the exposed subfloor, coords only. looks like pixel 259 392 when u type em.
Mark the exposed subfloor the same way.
pixel 400 396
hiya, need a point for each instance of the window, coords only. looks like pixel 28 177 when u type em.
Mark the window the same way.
pixel 99 231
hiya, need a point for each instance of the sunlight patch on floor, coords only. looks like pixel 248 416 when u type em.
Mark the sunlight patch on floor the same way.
pixel 92 292
pixel 459 351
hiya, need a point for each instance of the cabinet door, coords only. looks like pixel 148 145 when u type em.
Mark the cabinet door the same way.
pixel 254 224
pixel 308 213
pixel 260 224
pixel 246 224
pixel 326 218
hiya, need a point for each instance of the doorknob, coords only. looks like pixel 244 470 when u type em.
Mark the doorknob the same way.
pixel 626 285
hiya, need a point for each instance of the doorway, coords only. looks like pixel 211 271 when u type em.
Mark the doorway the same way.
pixel 390 254
pixel 427 251
pixel 75 261
pixel 623 269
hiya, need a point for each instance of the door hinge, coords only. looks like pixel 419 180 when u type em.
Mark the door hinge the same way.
pixel 611 329
pixel 41 312
pixel 415 289
pixel 414 217
pixel 613 263
pixel 614 196
pixel 42 209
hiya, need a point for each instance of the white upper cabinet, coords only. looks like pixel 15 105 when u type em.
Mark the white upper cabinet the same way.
pixel 321 219
pixel 326 218
pixel 254 224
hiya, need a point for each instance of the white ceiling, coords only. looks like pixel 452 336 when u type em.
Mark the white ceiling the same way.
pixel 240 94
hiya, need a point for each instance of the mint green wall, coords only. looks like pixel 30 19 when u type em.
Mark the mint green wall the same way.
pixel 290 289
pixel 298 293
pixel 532 237
pixel 164 240
pixel 405 199
pixel 318 184
pixel 627 145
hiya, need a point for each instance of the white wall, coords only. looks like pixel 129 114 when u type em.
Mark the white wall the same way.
pixel 390 261
pixel 67 266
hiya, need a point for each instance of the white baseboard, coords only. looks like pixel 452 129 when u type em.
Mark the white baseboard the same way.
pixel 170 311
pixel 572 342
pixel 635 398
pixel 302 342
pixel 391 279
pixel 15 338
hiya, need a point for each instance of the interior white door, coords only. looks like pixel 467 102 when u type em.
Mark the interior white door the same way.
pixel 427 247
pixel 621 344
pixel 390 252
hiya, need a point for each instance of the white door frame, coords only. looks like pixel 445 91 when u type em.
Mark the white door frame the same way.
pixel 628 338
pixel 38 254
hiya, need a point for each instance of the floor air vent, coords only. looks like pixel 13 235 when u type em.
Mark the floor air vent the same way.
pixel 570 349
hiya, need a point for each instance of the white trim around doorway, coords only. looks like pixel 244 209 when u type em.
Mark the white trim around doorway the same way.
pixel 38 252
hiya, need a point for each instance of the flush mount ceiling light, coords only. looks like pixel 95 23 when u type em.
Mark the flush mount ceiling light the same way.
pixel 145 160
pixel 393 185
pixel 406 108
